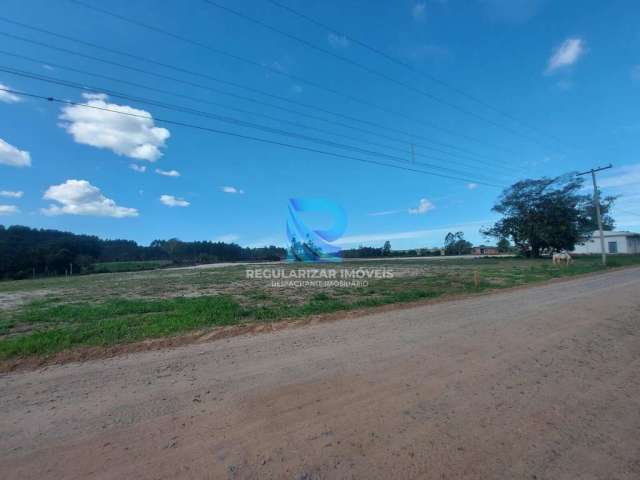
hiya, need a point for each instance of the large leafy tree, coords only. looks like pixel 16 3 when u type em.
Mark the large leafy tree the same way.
pixel 548 214
pixel 455 244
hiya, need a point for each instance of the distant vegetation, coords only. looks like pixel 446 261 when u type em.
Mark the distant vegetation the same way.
pixel 114 267
pixel 455 244
pixel 372 252
pixel 26 252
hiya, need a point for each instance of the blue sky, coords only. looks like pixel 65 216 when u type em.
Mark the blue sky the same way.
pixel 569 69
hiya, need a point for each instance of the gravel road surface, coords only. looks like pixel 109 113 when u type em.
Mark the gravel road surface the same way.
pixel 536 383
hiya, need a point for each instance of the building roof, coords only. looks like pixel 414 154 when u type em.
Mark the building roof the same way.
pixel 614 233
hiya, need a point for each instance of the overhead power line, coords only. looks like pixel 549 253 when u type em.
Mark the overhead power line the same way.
pixel 246 137
pixel 221 118
pixel 364 68
pixel 225 82
pixel 249 112
pixel 277 71
pixel 410 67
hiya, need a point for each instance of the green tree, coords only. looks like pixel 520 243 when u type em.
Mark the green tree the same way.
pixel 503 245
pixel 386 249
pixel 547 214
pixel 455 244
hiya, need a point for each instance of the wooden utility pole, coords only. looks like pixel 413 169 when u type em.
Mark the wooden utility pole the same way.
pixel 596 200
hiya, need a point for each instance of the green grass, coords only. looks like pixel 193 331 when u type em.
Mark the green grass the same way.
pixel 115 267
pixel 116 308
pixel 114 322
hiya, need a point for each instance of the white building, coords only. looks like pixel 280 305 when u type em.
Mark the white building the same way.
pixel 614 242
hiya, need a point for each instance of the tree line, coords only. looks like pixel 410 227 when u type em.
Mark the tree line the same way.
pixel 26 252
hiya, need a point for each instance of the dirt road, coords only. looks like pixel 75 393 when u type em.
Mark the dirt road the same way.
pixel 539 383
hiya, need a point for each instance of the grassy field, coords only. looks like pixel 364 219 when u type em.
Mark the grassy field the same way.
pixel 115 267
pixel 42 317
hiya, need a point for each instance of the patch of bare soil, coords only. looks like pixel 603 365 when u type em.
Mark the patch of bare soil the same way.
pixel 11 300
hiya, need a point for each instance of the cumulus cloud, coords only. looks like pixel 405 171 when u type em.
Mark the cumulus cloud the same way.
pixel 8 97
pixel 128 135
pixel 10 155
pixel 8 209
pixel 171 201
pixel 338 41
pixel 232 190
pixel 79 197
pixel 423 207
pixel 11 193
pixel 566 54
pixel 138 168
pixel 419 11
pixel 168 173
pixel 472 186
pixel 228 238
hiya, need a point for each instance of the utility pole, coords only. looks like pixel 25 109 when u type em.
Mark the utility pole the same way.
pixel 596 200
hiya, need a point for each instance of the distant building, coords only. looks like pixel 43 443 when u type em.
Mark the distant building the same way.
pixel 485 250
pixel 614 242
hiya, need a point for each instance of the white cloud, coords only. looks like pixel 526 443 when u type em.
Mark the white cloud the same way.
pixel 625 176
pixel 624 183
pixel 8 97
pixel 168 173
pixel 383 213
pixel 8 209
pixel 171 201
pixel 423 207
pixel 419 11
pixel 566 54
pixel 138 168
pixel 233 190
pixel 11 193
pixel 228 238
pixel 10 155
pixel 338 41
pixel 131 136
pixel 472 186
pixel 79 197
